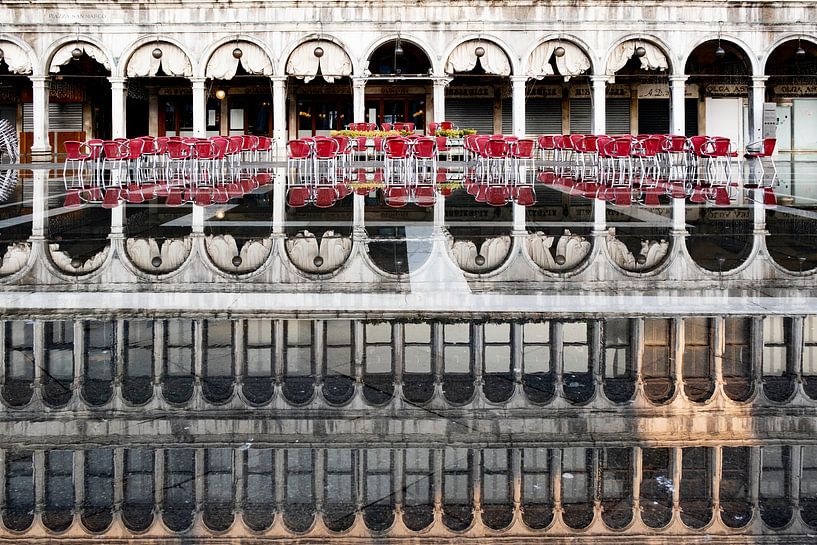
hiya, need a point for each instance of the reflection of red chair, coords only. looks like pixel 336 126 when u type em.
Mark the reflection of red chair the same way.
pixel 396 196
pixel 424 195
pixel 524 195
pixel 72 199
pixel 497 195
pixel 77 153
pixel 325 196
pixel 298 196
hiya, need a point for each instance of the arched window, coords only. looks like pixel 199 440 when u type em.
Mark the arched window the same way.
pixel 59 363
pixel 498 377
pixel 137 489
pixel 59 489
pixel 219 360
pixel 137 382
pixel 698 377
pixel 100 348
pixel 299 379
pixel 695 494
pixel 97 507
pixel 497 488
pixel 378 495
pixel 577 376
pixel 418 488
pixel 259 358
pixel 378 367
pixel 418 370
pixel 299 509
pixel 656 367
pixel 179 504
pixel 259 488
pixel 537 496
pixel 177 384
pixel 340 488
pixel 19 362
pixel 18 512
pixel 537 376
pixel 458 377
pixel 619 377
pixel 219 488
pixel 339 361
pixel 457 488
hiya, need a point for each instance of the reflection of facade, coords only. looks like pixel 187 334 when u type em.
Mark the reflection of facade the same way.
pixel 225 78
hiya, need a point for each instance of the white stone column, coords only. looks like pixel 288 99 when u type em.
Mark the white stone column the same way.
pixel 40 148
pixel 599 103
pixel 39 205
pixel 518 101
pixel 119 95
pixel 359 99
pixel 438 114
pixel 199 107
pixel 758 97
pixel 678 103
pixel 279 110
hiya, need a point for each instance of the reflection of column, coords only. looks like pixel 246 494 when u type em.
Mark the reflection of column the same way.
pixel 756 107
pixel 79 479
pixel 717 460
pixel 679 210
pixel 795 469
pixel 158 477
pixel 637 473
pixel 279 110
pixel 637 348
pixel 198 219
pixel 476 479
pixel 238 476
pixel 677 475
pixel 118 220
pixel 516 480
pixel 40 149
pixel 199 108
pixel 754 478
pixel 198 483
pixel 437 483
pixel 358 215
pixel 318 350
pixel 39 205
pixel 158 355
pixel 719 342
pixel 118 107
pixel 793 366
pixel 280 341
pixel 556 354
pixel 318 476
pixel 518 101
pixel 478 348
pixel 79 356
pixel 556 480
pixel 437 352
pixel 519 222
pixel 678 98
pixel 438 114
pixel 39 480
pixel 759 212
pixel 397 353
pixel 599 103
pixel 238 352
pixel 678 351
pixel 118 477
pixel 599 216
pixel 359 330
pixel 397 480
pixel 359 100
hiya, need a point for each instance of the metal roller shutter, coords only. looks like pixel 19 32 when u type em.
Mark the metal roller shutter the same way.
pixel 653 116
pixel 62 117
pixel 471 113
pixel 617 116
pixel 581 116
pixel 507 116
pixel 691 115
pixel 543 116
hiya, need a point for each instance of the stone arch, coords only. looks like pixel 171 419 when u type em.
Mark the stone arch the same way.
pixel 650 39
pixel 293 46
pixel 32 61
pixel 217 46
pixel 744 48
pixel 526 67
pixel 513 60
pixel 128 53
pixel 425 47
pixel 96 50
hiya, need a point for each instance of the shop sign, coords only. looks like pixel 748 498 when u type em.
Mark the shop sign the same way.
pixel 544 91
pixel 257 90
pixel 616 90
pixel 727 89
pixel 8 95
pixel 63 91
pixel 176 91
pixel 731 214
pixel 795 90
pixel 662 90
pixel 470 92
pixel 394 90
pixel 321 90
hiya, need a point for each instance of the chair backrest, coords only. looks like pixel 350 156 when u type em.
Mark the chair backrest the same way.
pixel 651 145
pixel 298 149
pixel 73 150
pixel 442 143
pixel 768 146
pixel 396 148
pixel 326 148
pixel 546 142
pixel 344 145
pixel 113 149
pixel 425 148
pixel 432 128
pixel 264 143
pixel 523 148
pixel 446 125
pixel 620 147
pixel 386 126
pixel 696 143
pixel 177 149
pixel 135 147
pixel 205 149
pixel 496 148
pixel 602 145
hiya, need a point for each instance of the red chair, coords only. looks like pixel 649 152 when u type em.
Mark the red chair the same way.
pixel 425 153
pixel 77 153
pixel 396 150
pixel 298 196
pixel 762 149
pixel 385 127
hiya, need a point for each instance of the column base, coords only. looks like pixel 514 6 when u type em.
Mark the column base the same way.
pixel 41 155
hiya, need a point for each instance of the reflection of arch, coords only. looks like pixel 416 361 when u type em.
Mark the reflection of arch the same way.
pixel 657 55
pixel 741 46
pixel 60 53
pixel 219 62
pixel 334 62
pixel 576 60
pixel 423 47
pixel 17 54
pixel 462 58
pixel 174 61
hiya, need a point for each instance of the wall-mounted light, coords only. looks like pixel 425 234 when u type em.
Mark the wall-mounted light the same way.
pixel 640 51
pixel 220 94
pixel 318 52
pixel 76 53
pixel 720 52
pixel 799 54
pixel 479 51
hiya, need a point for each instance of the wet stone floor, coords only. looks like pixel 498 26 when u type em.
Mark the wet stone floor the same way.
pixel 463 351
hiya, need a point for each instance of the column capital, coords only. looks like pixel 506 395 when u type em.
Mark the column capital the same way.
pixel 279 78
pixel 601 78
pixel 678 78
pixel 117 81
pixel 359 81
pixel 41 80
pixel 519 79
pixel 443 81
pixel 198 82
pixel 759 81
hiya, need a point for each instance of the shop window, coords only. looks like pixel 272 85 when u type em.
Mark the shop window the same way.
pixel 458 377
pixel 259 488
pixel 498 376
pixel 217 383
pixel 737 358
pixel 577 375
pixel 537 498
pixel 537 371
pixel 619 378
pixel 698 380
pixel 59 356
pixel 339 370
pixel 137 381
pixel 656 368
pixel 378 513
pixel 100 341
pixel 259 358
pixel 177 384
pixel 19 362
pixel 778 381
pixel 299 380
pixel 418 488
pixel 378 376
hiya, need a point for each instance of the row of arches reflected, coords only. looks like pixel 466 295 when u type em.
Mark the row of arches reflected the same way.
pixel 252 361
pixel 186 487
